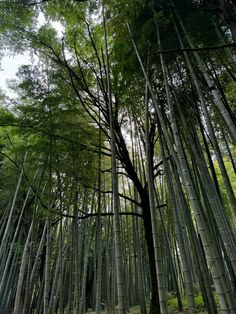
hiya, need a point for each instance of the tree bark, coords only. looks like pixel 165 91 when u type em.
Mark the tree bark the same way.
pixel 155 305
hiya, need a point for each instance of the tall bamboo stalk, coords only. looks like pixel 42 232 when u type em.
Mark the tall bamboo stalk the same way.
pixel 115 190
pixel 214 92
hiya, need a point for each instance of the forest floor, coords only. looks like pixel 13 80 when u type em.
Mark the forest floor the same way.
pixel 136 310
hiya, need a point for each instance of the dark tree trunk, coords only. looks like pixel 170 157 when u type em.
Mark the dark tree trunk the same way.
pixel 155 305
pixel 123 156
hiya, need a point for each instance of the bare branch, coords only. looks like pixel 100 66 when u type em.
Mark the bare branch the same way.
pixel 101 214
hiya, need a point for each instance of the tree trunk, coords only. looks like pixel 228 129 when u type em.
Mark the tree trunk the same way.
pixel 155 305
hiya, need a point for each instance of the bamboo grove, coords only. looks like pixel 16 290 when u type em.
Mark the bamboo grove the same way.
pixel 117 157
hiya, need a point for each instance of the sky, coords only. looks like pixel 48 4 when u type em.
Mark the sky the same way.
pixel 9 67
pixel 9 64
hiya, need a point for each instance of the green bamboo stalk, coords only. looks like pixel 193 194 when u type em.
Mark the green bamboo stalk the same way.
pixel 214 92
pixel 18 299
pixel 161 276
pixel 9 221
pixel 115 190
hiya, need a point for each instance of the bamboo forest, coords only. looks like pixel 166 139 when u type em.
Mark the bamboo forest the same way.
pixel 118 157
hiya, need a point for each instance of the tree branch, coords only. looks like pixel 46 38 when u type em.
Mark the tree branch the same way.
pixel 223 46
pixel 101 214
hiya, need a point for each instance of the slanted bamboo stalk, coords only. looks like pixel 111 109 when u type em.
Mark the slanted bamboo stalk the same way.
pixel 214 92
pixel 18 299
pixel 186 268
pixel 220 161
pixel 9 221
